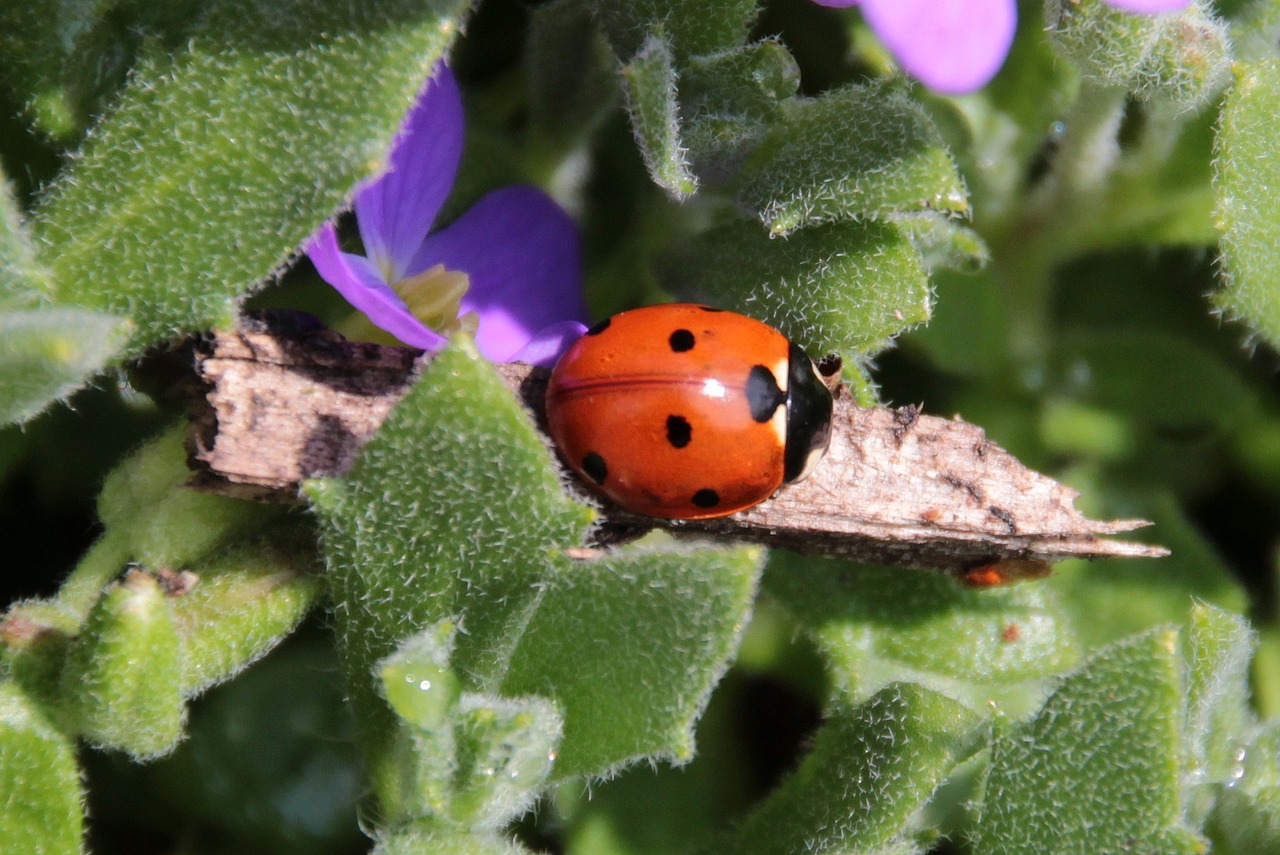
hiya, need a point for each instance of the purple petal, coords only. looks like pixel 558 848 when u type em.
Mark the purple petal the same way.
pixel 520 251
pixel 395 212
pixel 951 46
pixel 1149 7
pixel 549 343
pixel 361 284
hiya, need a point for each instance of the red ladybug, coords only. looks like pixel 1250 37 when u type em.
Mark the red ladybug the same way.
pixel 687 412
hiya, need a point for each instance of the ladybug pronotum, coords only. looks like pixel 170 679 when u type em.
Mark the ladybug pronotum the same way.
pixel 687 412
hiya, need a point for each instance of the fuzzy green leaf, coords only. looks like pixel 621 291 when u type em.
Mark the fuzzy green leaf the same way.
pixel 476 760
pixel 450 513
pixel 1183 58
pixel 41 811
pixel 874 626
pixel 1246 818
pixel 1097 770
pixel 624 700
pixel 1246 172
pixel 244 600
pixel 844 288
pixel 730 99
pixel 505 749
pixel 1219 720
pixel 855 153
pixel 123 680
pixel 145 499
pixel 695 26
pixel 46 354
pixel 217 162
pixel 871 770
pixel 650 87
pixel 417 680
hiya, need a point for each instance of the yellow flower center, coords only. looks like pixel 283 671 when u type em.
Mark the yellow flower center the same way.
pixel 434 296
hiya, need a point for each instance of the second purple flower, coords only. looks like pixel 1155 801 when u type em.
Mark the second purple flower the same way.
pixel 508 269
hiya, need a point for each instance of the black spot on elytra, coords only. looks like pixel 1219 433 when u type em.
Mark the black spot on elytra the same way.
pixel 706 498
pixel 600 327
pixel 593 464
pixel 763 394
pixel 679 431
pixel 710 309
pixel 681 340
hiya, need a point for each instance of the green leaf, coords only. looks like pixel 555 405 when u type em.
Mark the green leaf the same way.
pixel 572 82
pixel 123 682
pixel 468 759
pixel 855 153
pixel 1182 58
pixel 41 812
pixel 246 599
pixel 505 752
pixel 22 279
pixel 992 649
pixel 217 162
pixel 621 702
pixel 839 288
pixel 449 513
pixel 46 354
pixel 1246 818
pixel 730 99
pixel 650 87
pixel 871 770
pixel 1097 770
pixel 1219 721
pixel 1245 172
pixel 694 26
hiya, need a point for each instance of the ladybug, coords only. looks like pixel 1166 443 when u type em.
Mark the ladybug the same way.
pixel 687 412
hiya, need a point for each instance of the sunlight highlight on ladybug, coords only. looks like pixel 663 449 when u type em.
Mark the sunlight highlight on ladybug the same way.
pixel 687 412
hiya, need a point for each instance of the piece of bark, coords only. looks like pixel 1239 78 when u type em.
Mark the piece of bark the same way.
pixel 896 487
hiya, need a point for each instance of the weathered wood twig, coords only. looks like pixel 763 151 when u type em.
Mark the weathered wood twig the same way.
pixel 897 487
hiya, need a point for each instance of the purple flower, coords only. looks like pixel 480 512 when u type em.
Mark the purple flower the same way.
pixel 956 46
pixel 508 269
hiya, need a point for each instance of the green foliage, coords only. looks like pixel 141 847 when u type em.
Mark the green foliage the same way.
pixel 46 354
pixel 174 210
pixel 124 674
pixel 476 760
pixel 1108 737
pixel 1250 234
pixel 695 27
pixel 580 649
pixel 836 288
pixel 876 625
pixel 655 115
pixel 870 771
pixel 41 812
pixel 519 678
pixel 856 153
pixel 205 591
pixel 1182 58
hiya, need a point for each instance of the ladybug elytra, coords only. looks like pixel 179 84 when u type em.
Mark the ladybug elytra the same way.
pixel 687 412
